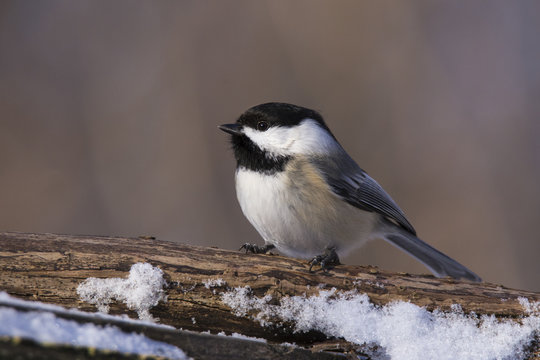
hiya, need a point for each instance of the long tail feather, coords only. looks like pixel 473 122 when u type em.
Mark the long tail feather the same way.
pixel 438 263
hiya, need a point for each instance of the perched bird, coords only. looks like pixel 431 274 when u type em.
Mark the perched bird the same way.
pixel 308 198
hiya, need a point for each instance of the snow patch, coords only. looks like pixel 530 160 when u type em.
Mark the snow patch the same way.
pixel 404 330
pixel 7 300
pixel 45 327
pixel 242 336
pixel 376 284
pixel 210 283
pixel 142 290
pixel 241 302
pixel 530 308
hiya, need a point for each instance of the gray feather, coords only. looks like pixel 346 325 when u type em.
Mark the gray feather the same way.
pixel 356 187
pixel 437 262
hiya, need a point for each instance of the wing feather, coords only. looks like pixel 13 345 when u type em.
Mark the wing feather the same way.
pixel 357 188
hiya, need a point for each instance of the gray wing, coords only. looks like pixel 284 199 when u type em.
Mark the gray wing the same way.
pixel 357 188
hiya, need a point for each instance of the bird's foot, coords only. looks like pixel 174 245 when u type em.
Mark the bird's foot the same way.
pixel 256 249
pixel 326 260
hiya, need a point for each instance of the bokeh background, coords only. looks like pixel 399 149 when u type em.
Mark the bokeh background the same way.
pixel 108 115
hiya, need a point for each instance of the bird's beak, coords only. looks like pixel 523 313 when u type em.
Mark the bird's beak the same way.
pixel 233 129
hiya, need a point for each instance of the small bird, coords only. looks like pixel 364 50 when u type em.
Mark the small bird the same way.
pixel 308 198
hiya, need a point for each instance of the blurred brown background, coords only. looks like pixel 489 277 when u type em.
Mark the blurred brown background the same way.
pixel 108 115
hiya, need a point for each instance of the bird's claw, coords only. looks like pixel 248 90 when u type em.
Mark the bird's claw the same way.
pixel 326 260
pixel 256 249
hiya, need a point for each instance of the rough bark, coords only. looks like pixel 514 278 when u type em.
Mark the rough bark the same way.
pixel 49 267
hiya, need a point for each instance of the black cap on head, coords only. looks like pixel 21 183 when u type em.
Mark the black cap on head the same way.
pixel 279 114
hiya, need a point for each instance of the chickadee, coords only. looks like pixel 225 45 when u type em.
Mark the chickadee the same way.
pixel 306 197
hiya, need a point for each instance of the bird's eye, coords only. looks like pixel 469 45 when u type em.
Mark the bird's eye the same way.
pixel 262 126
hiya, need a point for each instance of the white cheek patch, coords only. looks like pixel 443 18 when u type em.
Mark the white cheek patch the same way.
pixel 275 140
pixel 304 139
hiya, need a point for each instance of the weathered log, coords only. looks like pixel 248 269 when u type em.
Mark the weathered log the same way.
pixel 200 346
pixel 49 267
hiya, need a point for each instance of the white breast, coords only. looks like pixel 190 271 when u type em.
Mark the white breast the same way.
pixel 300 216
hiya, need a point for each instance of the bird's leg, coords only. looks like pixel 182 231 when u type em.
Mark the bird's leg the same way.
pixel 256 249
pixel 329 258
